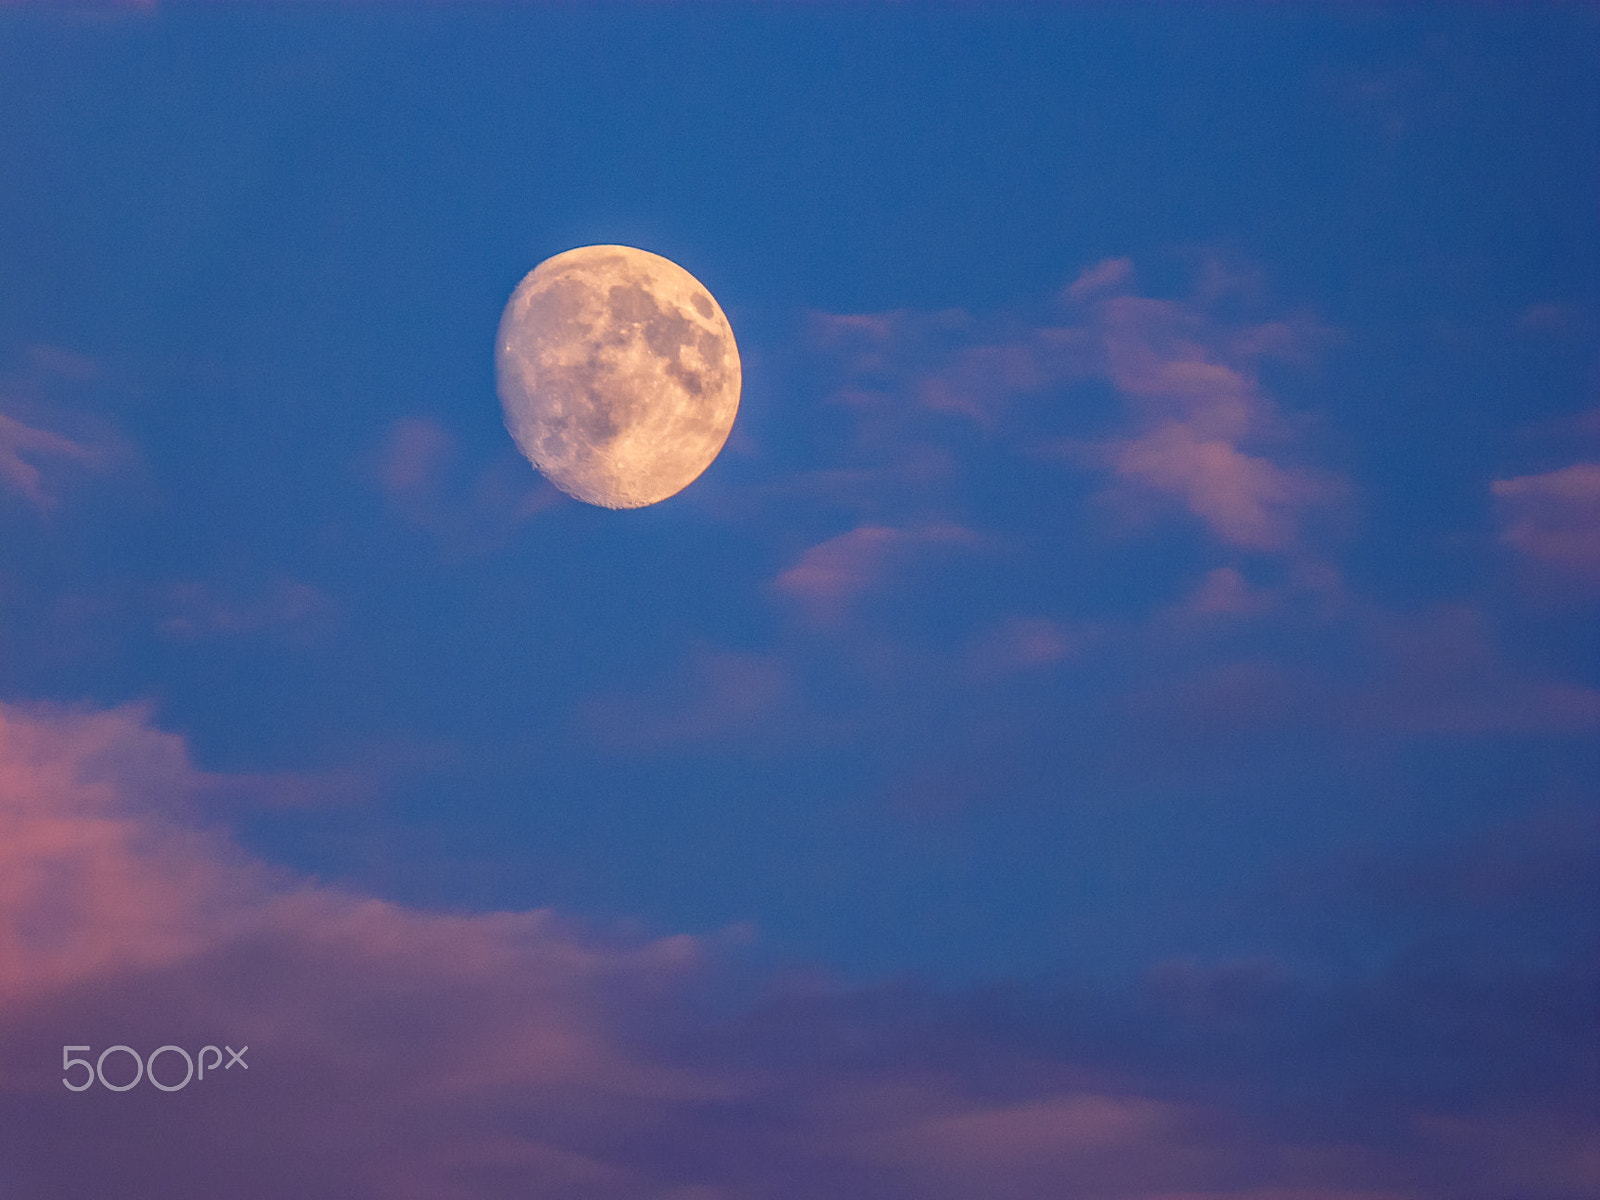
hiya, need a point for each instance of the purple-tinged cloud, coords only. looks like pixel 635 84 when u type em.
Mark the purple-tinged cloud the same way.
pixel 1245 500
pixel 1441 671
pixel 716 697
pixel 829 576
pixel 1224 592
pixel 45 447
pixel 417 469
pixel 196 610
pixel 1108 275
pixel 1020 644
pixel 28 454
pixel 396 1052
pixel 1195 413
pixel 1438 672
pixel 1553 520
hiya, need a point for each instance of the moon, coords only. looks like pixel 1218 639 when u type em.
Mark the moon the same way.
pixel 618 374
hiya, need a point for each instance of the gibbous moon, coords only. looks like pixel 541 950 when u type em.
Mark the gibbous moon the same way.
pixel 618 374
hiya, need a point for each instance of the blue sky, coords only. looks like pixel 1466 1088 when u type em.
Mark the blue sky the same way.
pixel 1157 556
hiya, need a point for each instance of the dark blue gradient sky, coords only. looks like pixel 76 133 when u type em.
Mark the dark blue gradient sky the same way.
pixel 1120 718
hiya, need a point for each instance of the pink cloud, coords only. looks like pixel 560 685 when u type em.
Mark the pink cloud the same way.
pixel 1076 1143
pixel 1020 644
pixel 1554 519
pixel 396 1052
pixel 378 1032
pixel 861 329
pixel 995 1137
pixel 1107 1144
pixel 919 468
pixel 1533 1152
pixel 1194 414
pixel 832 574
pixel 93 877
pixel 981 381
pixel 1155 355
pixel 1246 501
pixel 901 366
pixel 1106 275
pixel 1295 339
pixel 24 453
pixel 1203 710
pixel 1225 592
pixel 1199 432
pixel 46 445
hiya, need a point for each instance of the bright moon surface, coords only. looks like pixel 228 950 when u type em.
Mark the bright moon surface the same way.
pixel 618 374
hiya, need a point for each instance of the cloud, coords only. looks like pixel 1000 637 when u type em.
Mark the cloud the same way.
pixel 26 453
pixel 1245 500
pixel 1195 412
pixel 39 458
pixel 981 379
pixel 1553 520
pixel 899 368
pixel 196 610
pixel 1075 1142
pixel 1020 644
pixel 719 696
pixel 1107 275
pixel 1366 677
pixel 829 576
pixel 397 1052
pixel 1440 671
pixel 416 467
pixel 1197 430
pixel 95 873
pixel 1224 592
pixel 414 455
pixel 377 1031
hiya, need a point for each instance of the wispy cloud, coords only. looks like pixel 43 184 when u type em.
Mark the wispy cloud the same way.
pixel 1225 592
pixel 1020 644
pixel 1108 275
pixel 1197 431
pixel 1441 671
pixel 1245 500
pixel 716 697
pixel 196 610
pixel 828 577
pixel 1553 520
pixel 28 454
pixel 1198 410
pixel 418 469
pixel 1436 672
pixel 45 445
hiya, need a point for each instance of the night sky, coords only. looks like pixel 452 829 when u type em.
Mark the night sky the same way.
pixel 1120 720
